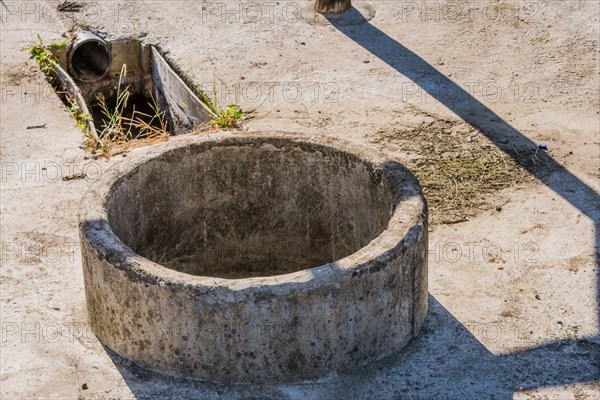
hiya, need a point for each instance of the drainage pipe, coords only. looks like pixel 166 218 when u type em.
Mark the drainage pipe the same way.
pixel 89 57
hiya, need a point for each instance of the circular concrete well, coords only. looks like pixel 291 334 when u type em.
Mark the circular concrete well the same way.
pixel 256 258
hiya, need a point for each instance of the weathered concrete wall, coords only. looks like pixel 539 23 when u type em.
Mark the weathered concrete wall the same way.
pixel 367 300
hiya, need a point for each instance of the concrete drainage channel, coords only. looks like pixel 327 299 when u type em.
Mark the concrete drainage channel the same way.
pixel 259 257
pixel 94 70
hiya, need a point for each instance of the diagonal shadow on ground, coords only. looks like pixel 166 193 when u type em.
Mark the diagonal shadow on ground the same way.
pixel 501 133
pixel 444 362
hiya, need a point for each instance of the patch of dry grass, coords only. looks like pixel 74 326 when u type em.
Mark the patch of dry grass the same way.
pixel 122 147
pixel 459 169
pixel 456 184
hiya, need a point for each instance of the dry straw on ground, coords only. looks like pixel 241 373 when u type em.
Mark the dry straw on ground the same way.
pixel 460 170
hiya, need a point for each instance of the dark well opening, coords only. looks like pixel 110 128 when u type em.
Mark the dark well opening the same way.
pixel 247 208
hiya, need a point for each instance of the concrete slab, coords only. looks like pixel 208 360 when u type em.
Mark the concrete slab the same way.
pixel 516 319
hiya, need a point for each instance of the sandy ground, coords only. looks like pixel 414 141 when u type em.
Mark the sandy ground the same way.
pixel 514 289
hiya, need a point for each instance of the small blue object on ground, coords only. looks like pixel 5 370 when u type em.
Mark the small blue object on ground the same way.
pixel 543 146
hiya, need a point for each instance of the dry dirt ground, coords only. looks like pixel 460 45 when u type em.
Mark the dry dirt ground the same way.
pixel 461 91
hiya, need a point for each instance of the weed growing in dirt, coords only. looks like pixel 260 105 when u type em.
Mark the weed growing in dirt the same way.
pixel 44 56
pixel 42 53
pixel 81 119
pixel 230 116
